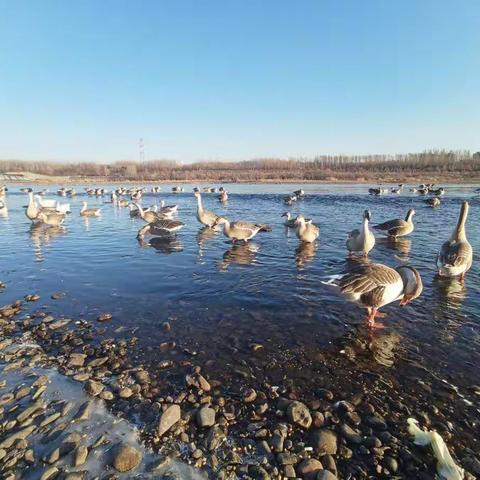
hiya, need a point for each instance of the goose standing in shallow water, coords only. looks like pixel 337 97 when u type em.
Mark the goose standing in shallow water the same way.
pixel 398 227
pixel 90 212
pixel 148 215
pixel 205 217
pixel 373 286
pixel 456 255
pixel 160 228
pixel 240 230
pixel 167 210
pixel 52 218
pixel 32 209
pixel 290 222
pixel 306 232
pixel 361 241
pixel 223 197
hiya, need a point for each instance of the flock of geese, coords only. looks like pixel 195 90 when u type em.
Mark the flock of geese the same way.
pixel 371 286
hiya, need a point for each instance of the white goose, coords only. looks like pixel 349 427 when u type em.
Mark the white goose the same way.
pixel 361 241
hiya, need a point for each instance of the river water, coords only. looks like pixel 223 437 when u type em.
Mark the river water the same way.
pixel 221 299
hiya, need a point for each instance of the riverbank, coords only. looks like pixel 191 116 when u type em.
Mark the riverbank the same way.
pixel 289 177
pixel 312 414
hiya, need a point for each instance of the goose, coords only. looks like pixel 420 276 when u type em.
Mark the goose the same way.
pixel 456 255
pixel 3 209
pixel 51 218
pixel 398 190
pixel 134 211
pixel 373 286
pixel 240 230
pixel 148 215
pixel 375 191
pixel 90 212
pixel 290 222
pixel 123 202
pixel 299 193
pixel 433 202
pixel 3 191
pixel 306 232
pixel 223 197
pixel 160 228
pixel 177 189
pixel 439 191
pixel 290 199
pixel 423 191
pixel 204 216
pixel 361 241
pixel 167 210
pixel 398 227
pixel 61 192
pixel 32 209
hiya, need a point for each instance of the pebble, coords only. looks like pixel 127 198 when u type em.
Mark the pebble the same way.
pixel 309 468
pixel 206 417
pixel 299 414
pixel 168 419
pixel 104 317
pixel 76 359
pixel 126 458
pixel 324 441
pixel 81 454
pixel 93 388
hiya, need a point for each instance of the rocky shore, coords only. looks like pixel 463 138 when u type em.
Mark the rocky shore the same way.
pixel 78 402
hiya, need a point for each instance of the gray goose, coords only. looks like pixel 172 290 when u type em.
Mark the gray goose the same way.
pixel 240 230
pixel 373 286
pixel 398 227
pixel 456 255
pixel 306 232
pixel 205 217
pixel 90 212
pixel 433 202
pixel 160 228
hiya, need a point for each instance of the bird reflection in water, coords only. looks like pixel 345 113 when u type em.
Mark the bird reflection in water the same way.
pixel 305 253
pixel 353 262
pixel 239 253
pixel 42 235
pixel 204 235
pixel 400 245
pixel 166 245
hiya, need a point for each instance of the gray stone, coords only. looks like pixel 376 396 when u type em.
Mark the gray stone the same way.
pixel 324 441
pixel 309 468
pixel 299 414
pixel 206 417
pixel 168 419
pixel 126 458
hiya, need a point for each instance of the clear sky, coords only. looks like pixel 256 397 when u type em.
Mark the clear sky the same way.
pixel 235 79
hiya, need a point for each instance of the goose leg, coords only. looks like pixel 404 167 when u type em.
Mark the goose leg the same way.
pixel 372 313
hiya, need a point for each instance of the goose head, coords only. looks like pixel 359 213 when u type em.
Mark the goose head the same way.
pixel 410 214
pixel 287 214
pixel 412 284
pixel 367 215
pixel 300 220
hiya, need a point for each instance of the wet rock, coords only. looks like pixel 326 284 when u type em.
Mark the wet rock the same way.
pixel 324 441
pixel 249 395
pixel 104 317
pixel 84 412
pixel 276 442
pixel 326 475
pixel 299 414
pixel 125 392
pixel 81 377
pixel 126 458
pixel 309 468
pixel 206 417
pixel 81 454
pixel 350 435
pixel 168 419
pixel 49 473
pixel 287 458
pixel 390 464
pixel 93 388
pixel 214 438
pixel 377 422
pixel 57 295
pixel 98 362
pixel 51 418
pixel 198 381
pixel 9 440
pixel 56 325
pixel 107 395
pixel 32 297
pixel 472 464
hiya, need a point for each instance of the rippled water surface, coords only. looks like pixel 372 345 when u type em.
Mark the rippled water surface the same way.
pixel 224 298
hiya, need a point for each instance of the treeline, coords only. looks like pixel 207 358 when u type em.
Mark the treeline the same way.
pixel 323 167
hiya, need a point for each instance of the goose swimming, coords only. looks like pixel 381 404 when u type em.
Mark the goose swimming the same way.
pixel 306 232
pixel 148 215
pixel 361 241
pixel 433 202
pixel 373 286
pixel 167 210
pixel 456 255
pixel 398 227
pixel 299 193
pixel 223 197
pixel 240 230
pixel 290 221
pixel 204 216
pixel 90 212
pixel 51 218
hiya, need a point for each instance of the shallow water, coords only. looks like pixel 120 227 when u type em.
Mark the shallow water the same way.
pixel 223 298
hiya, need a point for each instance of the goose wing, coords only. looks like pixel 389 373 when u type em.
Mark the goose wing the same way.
pixel 166 225
pixel 455 254
pixel 369 283
pixel 354 233
pixel 390 224
pixel 251 226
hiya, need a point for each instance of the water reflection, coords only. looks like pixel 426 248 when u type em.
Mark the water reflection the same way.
pixel 166 245
pixel 305 253
pixel 204 235
pixel 400 245
pixel 43 235
pixel 450 292
pixel 239 253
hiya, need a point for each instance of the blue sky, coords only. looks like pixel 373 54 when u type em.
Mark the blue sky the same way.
pixel 84 80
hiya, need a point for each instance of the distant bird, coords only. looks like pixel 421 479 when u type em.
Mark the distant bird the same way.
pixel 205 217
pixel 433 202
pixel 299 193
pixel 306 232
pixel 373 286
pixel 439 191
pixel 375 191
pixel 240 230
pixel 290 199
pixel 167 210
pixel 398 190
pixel 160 228
pixel 90 212
pixel 361 241
pixel 223 197
pixel 456 255
pixel 398 227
